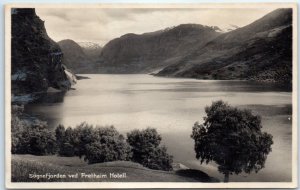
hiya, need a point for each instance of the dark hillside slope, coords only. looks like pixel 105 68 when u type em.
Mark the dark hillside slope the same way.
pixel 259 51
pixel 74 57
pixel 147 52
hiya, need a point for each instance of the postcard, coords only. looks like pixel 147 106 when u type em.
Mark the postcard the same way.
pixel 151 95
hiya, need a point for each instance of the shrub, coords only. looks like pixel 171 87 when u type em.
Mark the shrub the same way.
pixel 30 136
pixel 146 149
pixel 107 145
pixel 66 149
pixel 158 159
pixel 36 140
pixel 79 137
pixel 60 134
pixel 94 144
pixel 17 126
pixel 64 141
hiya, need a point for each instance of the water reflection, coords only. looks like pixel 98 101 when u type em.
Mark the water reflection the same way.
pixel 51 97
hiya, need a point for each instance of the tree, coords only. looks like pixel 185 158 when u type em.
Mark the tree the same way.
pixel 107 145
pixel 41 141
pixel 147 151
pixel 34 139
pixel 60 135
pixel 80 136
pixel 64 139
pixel 30 136
pixel 232 138
pixel 94 144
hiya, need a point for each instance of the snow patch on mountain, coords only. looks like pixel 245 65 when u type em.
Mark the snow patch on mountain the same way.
pixel 89 45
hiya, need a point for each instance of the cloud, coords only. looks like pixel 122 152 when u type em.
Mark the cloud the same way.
pixel 104 24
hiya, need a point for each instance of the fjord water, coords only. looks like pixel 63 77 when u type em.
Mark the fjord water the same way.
pixel 172 106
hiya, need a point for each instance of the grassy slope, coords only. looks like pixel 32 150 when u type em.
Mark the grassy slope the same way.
pixel 23 165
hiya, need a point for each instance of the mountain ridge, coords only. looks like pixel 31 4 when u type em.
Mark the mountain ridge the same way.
pixel 261 50
pixel 79 58
pixel 245 53
pixel 133 53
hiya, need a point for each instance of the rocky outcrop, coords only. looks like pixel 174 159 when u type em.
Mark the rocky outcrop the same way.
pixel 36 60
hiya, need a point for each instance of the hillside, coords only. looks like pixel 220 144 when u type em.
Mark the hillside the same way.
pixel 260 51
pixel 74 57
pixel 80 57
pixel 23 165
pixel 132 53
pixel 36 60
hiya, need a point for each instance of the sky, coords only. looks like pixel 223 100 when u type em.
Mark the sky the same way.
pixel 100 25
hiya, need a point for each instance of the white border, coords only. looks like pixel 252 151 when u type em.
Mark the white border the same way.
pixel 109 185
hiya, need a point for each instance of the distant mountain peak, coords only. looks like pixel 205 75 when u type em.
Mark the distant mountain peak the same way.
pixel 186 27
pixel 89 45
pixel 190 26
pixel 225 29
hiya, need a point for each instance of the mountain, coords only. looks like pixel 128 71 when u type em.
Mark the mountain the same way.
pixel 36 60
pixel 91 49
pixel 80 57
pixel 261 50
pixel 74 57
pixel 132 53
pixel 229 28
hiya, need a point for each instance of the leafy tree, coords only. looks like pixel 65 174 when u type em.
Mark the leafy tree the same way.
pixel 232 138
pixel 94 144
pixel 30 136
pixel 60 135
pixel 34 139
pixel 67 149
pixel 146 149
pixel 158 159
pixel 38 140
pixel 17 127
pixel 107 145
pixel 79 137
pixel 64 139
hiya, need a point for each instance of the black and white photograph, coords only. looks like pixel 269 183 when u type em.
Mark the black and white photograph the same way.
pixel 151 95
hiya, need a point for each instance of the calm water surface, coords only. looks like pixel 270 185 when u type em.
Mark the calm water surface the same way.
pixel 172 106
